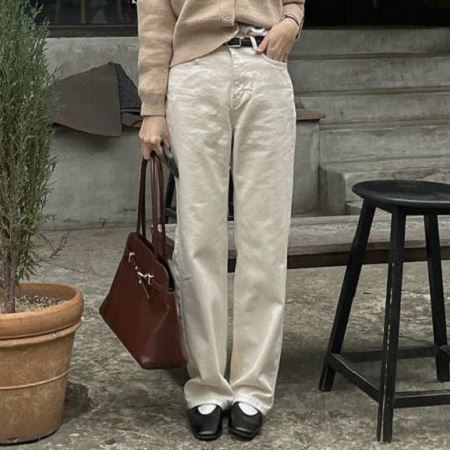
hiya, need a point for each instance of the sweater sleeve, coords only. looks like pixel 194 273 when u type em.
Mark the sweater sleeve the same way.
pixel 156 23
pixel 297 9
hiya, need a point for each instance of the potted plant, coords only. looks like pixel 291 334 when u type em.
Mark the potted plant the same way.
pixel 37 320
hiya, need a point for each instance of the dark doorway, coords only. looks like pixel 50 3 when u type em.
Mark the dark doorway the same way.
pixel 377 12
pixel 79 12
pixel 118 17
pixel 89 17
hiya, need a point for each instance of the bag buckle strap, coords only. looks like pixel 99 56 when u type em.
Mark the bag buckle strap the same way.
pixel 145 276
pixel 141 275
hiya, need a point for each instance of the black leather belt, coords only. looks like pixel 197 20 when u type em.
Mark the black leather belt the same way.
pixel 242 42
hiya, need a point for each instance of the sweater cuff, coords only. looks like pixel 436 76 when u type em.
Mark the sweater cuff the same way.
pixel 153 105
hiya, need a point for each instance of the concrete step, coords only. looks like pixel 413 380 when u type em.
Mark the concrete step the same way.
pixel 379 71
pixel 373 141
pixel 332 41
pixel 337 179
pixel 379 105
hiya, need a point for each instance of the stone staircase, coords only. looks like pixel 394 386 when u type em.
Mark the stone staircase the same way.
pixel 386 94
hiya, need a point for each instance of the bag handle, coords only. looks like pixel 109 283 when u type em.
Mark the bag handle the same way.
pixel 157 187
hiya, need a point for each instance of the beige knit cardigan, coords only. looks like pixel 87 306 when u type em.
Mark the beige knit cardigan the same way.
pixel 175 31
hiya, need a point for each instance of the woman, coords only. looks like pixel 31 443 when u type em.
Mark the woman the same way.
pixel 215 87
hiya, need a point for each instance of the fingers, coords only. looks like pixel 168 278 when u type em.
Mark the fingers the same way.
pixel 154 135
pixel 160 153
pixel 145 151
pixel 263 44
pixel 167 141
pixel 164 144
pixel 150 144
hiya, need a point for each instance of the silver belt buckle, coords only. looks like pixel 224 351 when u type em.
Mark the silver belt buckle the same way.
pixel 236 45
pixel 257 31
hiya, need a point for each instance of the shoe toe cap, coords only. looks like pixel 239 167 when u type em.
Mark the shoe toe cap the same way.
pixel 243 424
pixel 205 426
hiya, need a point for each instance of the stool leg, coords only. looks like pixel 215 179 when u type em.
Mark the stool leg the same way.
pixel 436 291
pixel 348 291
pixel 391 327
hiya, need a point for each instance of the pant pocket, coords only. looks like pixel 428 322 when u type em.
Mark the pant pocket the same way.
pixel 275 62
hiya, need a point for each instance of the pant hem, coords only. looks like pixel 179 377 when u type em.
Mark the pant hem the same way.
pixel 193 404
pixel 259 406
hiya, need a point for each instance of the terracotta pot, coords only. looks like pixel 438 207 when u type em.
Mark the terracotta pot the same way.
pixel 35 350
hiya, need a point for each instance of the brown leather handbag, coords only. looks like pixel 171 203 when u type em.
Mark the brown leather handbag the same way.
pixel 141 307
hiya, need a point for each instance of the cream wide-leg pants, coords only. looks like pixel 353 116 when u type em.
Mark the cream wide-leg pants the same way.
pixel 234 108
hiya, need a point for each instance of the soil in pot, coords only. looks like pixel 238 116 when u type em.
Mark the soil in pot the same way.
pixel 34 302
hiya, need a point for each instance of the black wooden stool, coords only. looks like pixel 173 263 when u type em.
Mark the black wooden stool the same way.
pixel 400 198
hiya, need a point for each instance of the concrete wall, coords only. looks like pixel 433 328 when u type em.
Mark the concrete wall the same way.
pixel 95 182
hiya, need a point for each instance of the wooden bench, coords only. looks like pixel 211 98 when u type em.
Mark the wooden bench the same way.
pixel 325 241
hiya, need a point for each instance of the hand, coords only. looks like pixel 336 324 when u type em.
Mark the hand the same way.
pixel 154 134
pixel 279 40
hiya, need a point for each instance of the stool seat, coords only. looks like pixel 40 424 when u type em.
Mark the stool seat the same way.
pixel 405 193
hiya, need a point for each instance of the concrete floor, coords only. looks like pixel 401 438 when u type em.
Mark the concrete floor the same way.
pixel 113 404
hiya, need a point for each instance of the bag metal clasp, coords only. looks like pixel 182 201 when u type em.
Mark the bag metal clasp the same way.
pixel 141 275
